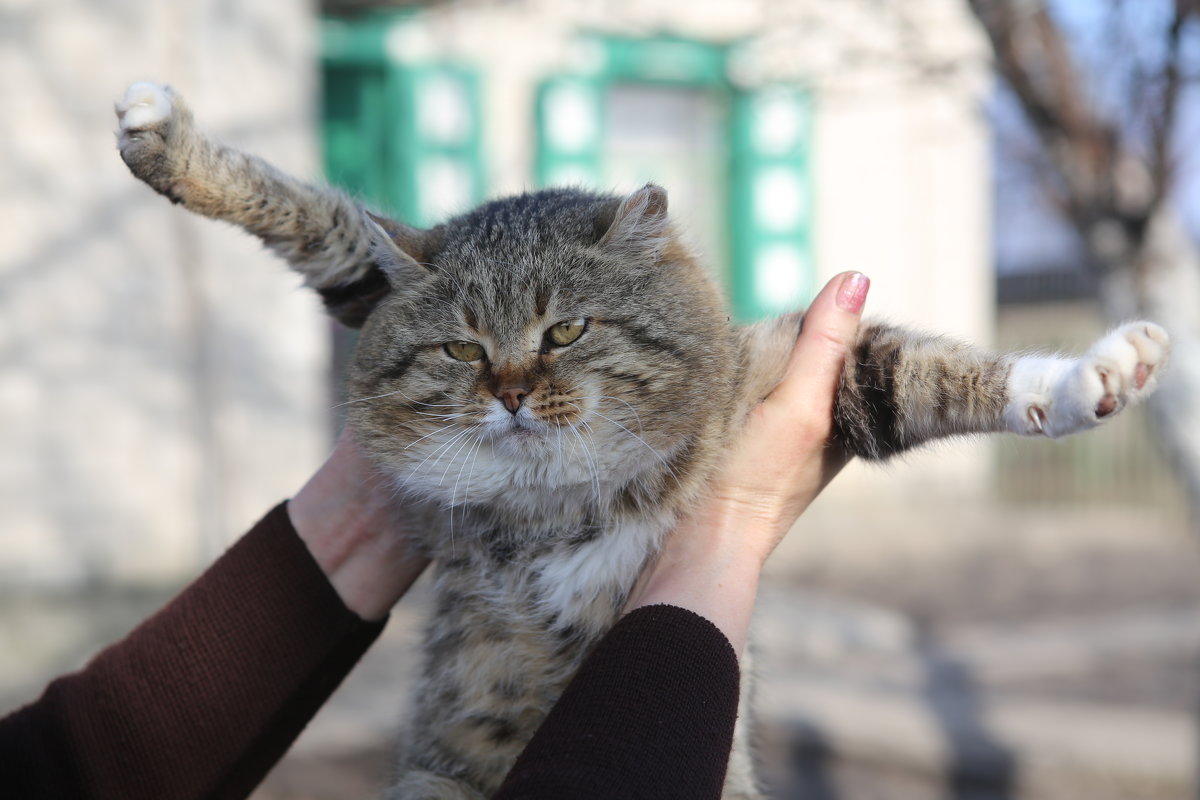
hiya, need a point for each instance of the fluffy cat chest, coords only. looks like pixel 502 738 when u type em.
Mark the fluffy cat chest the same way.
pixel 568 575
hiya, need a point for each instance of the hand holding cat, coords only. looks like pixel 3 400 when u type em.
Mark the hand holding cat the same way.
pixel 778 464
pixel 345 516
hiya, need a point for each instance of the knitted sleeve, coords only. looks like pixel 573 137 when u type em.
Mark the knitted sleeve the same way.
pixel 649 715
pixel 202 698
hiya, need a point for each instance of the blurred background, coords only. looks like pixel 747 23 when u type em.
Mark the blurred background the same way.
pixel 987 619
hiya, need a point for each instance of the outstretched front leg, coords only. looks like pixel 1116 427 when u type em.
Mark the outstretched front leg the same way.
pixel 321 232
pixel 901 389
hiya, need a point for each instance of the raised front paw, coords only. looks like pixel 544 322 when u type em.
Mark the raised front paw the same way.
pixel 1056 396
pixel 1126 364
pixel 145 106
pixel 150 116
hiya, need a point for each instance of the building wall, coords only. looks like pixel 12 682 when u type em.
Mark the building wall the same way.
pixel 162 379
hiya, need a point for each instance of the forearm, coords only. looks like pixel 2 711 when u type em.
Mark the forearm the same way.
pixel 345 515
pixel 706 568
pixel 201 699
pixel 776 466
pixel 650 713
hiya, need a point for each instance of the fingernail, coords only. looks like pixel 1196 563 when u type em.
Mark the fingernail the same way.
pixel 853 293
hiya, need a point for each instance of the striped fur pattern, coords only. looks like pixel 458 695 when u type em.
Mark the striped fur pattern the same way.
pixel 548 380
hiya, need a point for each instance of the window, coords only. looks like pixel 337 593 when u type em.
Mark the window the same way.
pixel 403 128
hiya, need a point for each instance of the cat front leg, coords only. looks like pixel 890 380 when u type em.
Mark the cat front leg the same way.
pixel 902 388
pixel 321 232
pixel 1055 396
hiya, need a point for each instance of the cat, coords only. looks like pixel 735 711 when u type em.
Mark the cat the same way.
pixel 548 381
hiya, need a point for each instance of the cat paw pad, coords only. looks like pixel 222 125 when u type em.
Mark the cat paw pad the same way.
pixel 1126 363
pixel 145 105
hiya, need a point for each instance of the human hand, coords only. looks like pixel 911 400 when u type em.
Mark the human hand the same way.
pixel 778 464
pixel 345 515
pixel 784 456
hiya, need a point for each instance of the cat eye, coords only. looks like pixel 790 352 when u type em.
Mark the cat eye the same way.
pixel 566 332
pixel 464 351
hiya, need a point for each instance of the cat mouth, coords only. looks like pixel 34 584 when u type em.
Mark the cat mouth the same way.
pixel 525 424
pixel 532 423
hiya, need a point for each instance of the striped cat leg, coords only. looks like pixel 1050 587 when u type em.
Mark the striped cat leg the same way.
pixel 901 388
pixel 321 232
pixel 1055 396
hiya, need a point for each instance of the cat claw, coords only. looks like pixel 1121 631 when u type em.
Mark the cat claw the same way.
pixel 1037 418
pixel 1111 399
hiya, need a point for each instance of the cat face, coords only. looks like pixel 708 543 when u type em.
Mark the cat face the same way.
pixel 556 344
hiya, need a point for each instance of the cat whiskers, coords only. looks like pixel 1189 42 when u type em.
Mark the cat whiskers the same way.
pixel 445 416
pixel 666 464
pixel 454 492
pixel 472 457
pixel 627 404
pixel 445 427
pixel 366 399
pixel 441 449
pixel 400 392
pixel 587 455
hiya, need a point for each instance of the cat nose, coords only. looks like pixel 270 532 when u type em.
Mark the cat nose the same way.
pixel 510 385
pixel 512 396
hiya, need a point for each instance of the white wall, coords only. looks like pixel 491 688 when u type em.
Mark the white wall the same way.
pixel 161 378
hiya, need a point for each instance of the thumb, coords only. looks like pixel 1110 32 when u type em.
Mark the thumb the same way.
pixel 826 336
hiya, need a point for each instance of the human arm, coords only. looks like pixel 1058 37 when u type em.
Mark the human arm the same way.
pixel 778 465
pixel 205 696
pixel 651 711
pixel 345 516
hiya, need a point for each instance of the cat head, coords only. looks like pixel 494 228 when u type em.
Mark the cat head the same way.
pixel 557 341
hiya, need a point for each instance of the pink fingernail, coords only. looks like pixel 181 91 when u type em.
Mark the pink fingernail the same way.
pixel 853 293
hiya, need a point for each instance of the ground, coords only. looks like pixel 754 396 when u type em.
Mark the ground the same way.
pixel 1020 655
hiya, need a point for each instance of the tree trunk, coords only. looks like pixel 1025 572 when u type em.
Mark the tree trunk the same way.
pixel 1162 284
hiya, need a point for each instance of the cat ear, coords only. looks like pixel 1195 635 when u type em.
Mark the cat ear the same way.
pixel 401 251
pixel 639 222
pixel 397 260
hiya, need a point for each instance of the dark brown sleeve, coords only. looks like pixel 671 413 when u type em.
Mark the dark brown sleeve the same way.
pixel 649 715
pixel 202 698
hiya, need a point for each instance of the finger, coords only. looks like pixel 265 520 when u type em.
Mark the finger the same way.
pixel 828 334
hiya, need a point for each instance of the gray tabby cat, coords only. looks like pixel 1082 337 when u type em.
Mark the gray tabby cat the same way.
pixel 548 380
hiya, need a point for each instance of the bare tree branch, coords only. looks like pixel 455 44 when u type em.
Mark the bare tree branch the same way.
pixel 1162 124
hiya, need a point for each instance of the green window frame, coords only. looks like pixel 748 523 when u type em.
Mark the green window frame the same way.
pixel 768 208
pixel 396 128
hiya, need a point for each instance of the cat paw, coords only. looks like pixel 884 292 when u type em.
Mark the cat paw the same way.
pixel 1055 396
pixel 145 106
pixel 149 116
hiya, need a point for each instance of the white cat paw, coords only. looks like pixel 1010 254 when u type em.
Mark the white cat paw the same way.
pixel 145 105
pixel 1058 396
pixel 154 123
